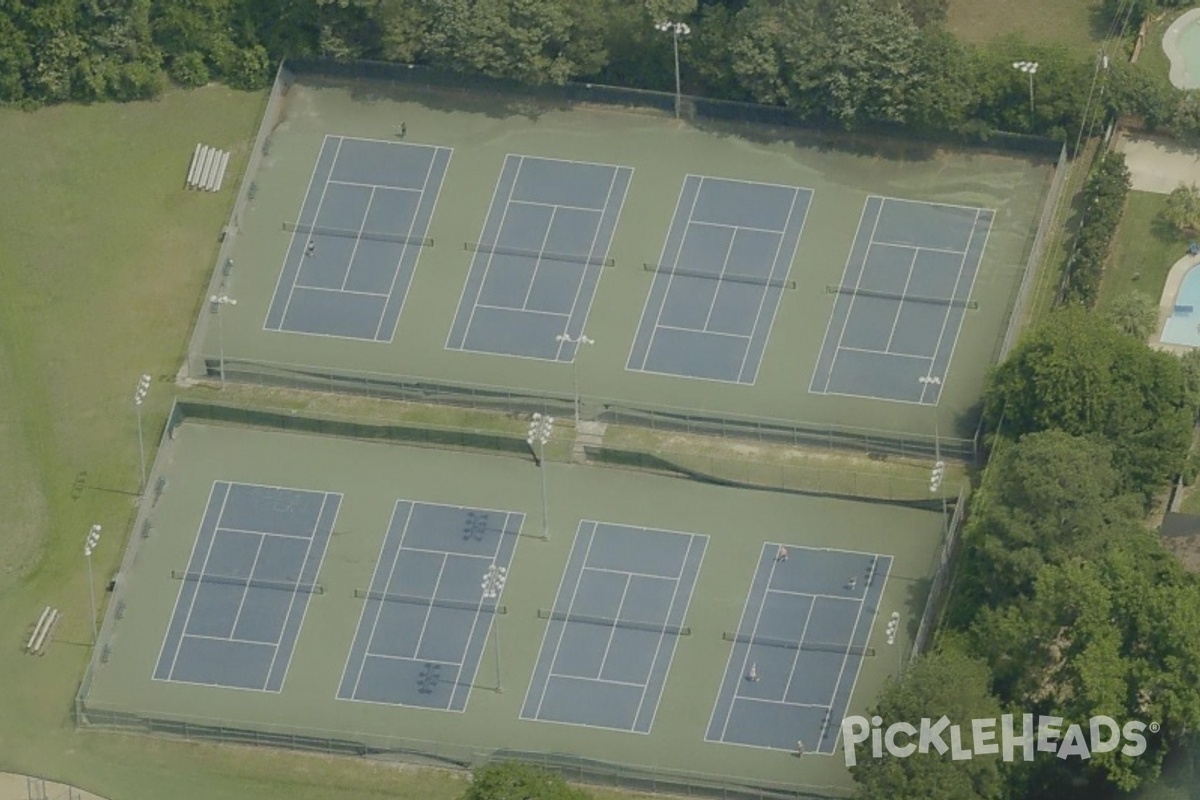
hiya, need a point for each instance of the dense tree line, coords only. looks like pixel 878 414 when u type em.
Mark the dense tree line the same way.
pixel 1064 603
pixel 847 62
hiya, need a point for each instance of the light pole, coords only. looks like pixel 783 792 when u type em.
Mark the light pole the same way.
pixel 582 339
pixel 493 585
pixel 219 301
pixel 93 539
pixel 1030 68
pixel 540 429
pixel 676 29
pixel 143 388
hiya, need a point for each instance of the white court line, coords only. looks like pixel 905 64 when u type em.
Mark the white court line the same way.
pixel 568 161
pixel 762 301
pixel 882 353
pixel 609 681
pixel 612 632
pixel 223 529
pixel 522 310
pixel 558 205
pixel 748 183
pixel 228 639
pixel 912 266
pixel 858 673
pixel 631 572
pixel 386 585
pixel 562 581
pixel 246 588
pixel 296 588
pixel 612 183
pixel 462 295
pixel 475 556
pixel 432 600
pixel 766 701
pixel 362 226
pixel 292 241
pixel 902 246
pixel 315 221
pixel 709 333
pixel 338 291
pixel 374 186
pixel 821 595
pixel 862 604
pixel 837 299
pixel 753 635
pixel 662 636
pixel 563 630
pixel 675 264
pixel 720 278
pixel 499 232
pixel 650 292
pixel 970 289
pixel 412 223
pixel 456 664
pixel 950 308
pixel 910 201
pixel 737 228
pixel 537 262
pixel 857 284
pixel 800 646
pixel 204 566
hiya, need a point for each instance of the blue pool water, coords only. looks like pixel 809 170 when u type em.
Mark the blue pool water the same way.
pixel 1181 43
pixel 1183 327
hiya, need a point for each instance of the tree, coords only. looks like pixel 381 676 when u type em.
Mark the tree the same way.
pixel 1134 314
pixel 1183 208
pixel 873 63
pixel 1115 632
pixel 1047 498
pixel 513 781
pixel 942 683
pixel 1078 374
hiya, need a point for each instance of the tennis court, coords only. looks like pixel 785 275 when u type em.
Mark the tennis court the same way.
pixel 613 630
pixel 718 284
pixel 355 244
pixel 611 641
pixel 902 300
pixel 247 586
pixel 425 620
pixel 798 648
pixel 706 262
pixel 539 257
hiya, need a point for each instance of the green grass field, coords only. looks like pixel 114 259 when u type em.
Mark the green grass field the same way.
pixel 1077 24
pixel 104 261
pixel 1144 250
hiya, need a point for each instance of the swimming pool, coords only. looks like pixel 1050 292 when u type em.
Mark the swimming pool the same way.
pixel 1183 326
pixel 1181 43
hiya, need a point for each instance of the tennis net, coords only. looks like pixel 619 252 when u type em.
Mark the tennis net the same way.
pixel 543 255
pixel 607 622
pixel 907 298
pixel 729 277
pixel 248 583
pixel 354 233
pixel 791 644
pixel 436 602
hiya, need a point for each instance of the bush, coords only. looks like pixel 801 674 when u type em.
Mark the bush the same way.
pixel 1103 201
pixel 249 68
pixel 190 69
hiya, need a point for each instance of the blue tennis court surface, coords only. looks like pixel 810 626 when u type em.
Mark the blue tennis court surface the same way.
pixel 425 621
pixel 539 258
pixel 798 648
pixel 355 246
pixel 718 284
pixel 612 632
pixel 247 585
pixel 901 303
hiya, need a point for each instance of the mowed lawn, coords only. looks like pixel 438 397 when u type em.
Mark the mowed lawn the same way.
pixel 1077 24
pixel 1144 250
pixel 104 262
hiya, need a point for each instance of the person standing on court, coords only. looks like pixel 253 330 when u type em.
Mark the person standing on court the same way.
pixel 311 248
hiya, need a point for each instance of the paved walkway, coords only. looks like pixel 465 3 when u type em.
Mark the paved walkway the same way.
pixel 20 787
